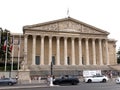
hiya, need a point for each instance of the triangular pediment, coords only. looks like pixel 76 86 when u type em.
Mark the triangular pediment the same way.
pixel 66 25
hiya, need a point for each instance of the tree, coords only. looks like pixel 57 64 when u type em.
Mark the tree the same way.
pixel 5 51
pixel 118 56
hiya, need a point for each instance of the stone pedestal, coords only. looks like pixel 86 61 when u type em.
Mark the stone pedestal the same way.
pixel 24 75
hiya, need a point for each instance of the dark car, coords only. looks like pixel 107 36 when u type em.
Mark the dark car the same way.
pixel 8 81
pixel 66 80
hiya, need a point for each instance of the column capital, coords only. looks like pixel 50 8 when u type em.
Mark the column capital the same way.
pixel 72 38
pixel 86 39
pixel 34 36
pixel 26 35
pixel 99 39
pixel 42 36
pixel 50 36
pixel 80 38
pixel 65 37
pixel 58 37
pixel 106 40
pixel 93 39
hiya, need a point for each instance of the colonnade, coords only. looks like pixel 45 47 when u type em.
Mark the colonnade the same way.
pixel 87 57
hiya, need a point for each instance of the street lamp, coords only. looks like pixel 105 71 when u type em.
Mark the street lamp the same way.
pixel 51 77
pixel 6 50
pixel 10 69
pixel 51 68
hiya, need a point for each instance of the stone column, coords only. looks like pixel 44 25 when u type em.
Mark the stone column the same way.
pixel 94 51
pixel 80 52
pixel 65 50
pixel 58 51
pixel 50 49
pixel 34 50
pixel 107 53
pixel 100 52
pixel 42 50
pixel 73 52
pixel 87 52
pixel 25 48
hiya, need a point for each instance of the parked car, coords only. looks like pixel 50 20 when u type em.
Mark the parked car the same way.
pixel 7 81
pixel 117 80
pixel 96 78
pixel 66 80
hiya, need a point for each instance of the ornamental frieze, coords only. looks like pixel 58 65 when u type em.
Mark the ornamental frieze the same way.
pixel 67 26
pixel 82 35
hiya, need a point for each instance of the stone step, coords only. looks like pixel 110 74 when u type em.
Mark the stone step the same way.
pixel 70 67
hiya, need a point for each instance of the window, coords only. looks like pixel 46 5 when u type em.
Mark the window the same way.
pixel 53 60
pixel 82 60
pixel 37 60
pixel 68 60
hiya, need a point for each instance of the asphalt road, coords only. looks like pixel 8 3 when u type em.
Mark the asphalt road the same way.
pixel 81 86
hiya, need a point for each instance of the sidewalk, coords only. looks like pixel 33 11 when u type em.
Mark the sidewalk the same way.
pixel 44 82
pixel 32 82
pixel 27 84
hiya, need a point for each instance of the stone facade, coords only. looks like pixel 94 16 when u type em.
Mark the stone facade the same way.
pixel 68 43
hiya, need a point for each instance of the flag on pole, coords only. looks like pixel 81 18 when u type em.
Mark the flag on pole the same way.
pixel 19 42
pixel 12 50
pixel 5 44
pixel 6 49
pixel 0 39
pixel 0 35
pixel 12 43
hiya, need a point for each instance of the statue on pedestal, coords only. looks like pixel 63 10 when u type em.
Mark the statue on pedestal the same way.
pixel 23 66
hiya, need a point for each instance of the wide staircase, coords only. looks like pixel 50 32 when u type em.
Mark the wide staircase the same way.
pixel 115 67
pixel 64 70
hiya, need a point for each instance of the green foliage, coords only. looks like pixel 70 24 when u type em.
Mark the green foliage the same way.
pixel 118 56
pixel 5 35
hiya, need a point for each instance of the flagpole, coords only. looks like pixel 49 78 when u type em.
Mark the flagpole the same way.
pixel 68 15
pixel 19 52
pixel 12 54
pixel 0 35
pixel 6 52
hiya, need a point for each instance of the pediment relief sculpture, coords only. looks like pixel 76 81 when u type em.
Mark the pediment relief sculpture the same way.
pixel 68 25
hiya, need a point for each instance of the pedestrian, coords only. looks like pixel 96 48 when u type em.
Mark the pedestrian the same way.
pixel 48 80
pixel 51 81
pixel 16 78
pixel 39 79
pixel 3 76
pixel 53 77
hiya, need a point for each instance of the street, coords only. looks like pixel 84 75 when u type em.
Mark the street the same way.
pixel 81 86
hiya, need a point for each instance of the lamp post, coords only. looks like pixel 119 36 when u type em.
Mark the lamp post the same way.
pixel 51 77
pixel 51 68
pixel 10 69
pixel 6 52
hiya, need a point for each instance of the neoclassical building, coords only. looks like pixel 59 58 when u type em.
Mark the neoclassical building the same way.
pixel 69 44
